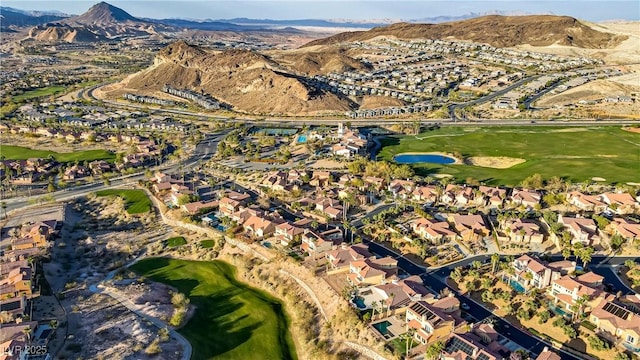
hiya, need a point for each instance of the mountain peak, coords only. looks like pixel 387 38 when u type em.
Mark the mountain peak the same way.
pixel 104 13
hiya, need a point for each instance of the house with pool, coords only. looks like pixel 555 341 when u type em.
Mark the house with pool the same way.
pixel 530 272
pixel 567 292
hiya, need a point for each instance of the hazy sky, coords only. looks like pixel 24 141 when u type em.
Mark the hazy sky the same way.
pixel 593 10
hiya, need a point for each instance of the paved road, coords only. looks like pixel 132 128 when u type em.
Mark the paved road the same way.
pixel 203 152
pixel 435 278
pixel 293 122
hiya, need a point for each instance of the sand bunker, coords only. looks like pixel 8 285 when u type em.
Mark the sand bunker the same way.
pixel 598 179
pixel 496 162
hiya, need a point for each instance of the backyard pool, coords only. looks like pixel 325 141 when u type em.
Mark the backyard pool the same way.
pixel 302 139
pixel 359 302
pixel 382 328
pixel 516 286
pixel 423 158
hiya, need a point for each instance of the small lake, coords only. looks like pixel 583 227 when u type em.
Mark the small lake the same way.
pixel 423 158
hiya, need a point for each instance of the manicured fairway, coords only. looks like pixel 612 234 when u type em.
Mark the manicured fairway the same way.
pixel 22 153
pixel 46 91
pixel 577 154
pixel 232 320
pixel 136 201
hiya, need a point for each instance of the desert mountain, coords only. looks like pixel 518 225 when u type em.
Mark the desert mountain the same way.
pixel 104 21
pixel 59 32
pixel 313 61
pixel 11 17
pixel 498 31
pixel 247 80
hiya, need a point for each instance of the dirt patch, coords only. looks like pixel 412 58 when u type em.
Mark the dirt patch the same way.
pixel 632 129
pixel 327 164
pixel 496 162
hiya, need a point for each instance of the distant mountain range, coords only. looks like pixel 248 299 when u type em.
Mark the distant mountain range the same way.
pixel 103 14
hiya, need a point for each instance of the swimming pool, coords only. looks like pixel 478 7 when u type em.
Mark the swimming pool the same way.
pixel 382 328
pixel 359 302
pixel 516 286
pixel 302 139
pixel 423 158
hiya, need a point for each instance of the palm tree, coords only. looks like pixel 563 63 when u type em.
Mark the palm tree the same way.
pixel 585 255
pixel 434 350
pixel 408 338
pixel 495 259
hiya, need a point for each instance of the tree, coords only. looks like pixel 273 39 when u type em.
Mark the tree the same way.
pixel 621 356
pixel 51 188
pixel 616 242
pixel 495 260
pixel 585 255
pixel 476 264
pixel 4 208
pixel 434 350
pixel 532 182
pixel 566 252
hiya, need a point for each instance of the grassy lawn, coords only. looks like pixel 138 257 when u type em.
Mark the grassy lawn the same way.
pixel 232 320
pixel 207 244
pixel 176 241
pixel 36 93
pixel 22 153
pixel 137 201
pixel 577 154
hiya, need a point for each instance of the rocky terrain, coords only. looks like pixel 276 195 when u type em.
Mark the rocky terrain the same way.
pixel 498 31
pixel 247 80
pixel 102 21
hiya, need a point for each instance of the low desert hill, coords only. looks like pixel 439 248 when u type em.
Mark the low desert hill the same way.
pixel 319 60
pixel 496 30
pixel 594 90
pixel 59 32
pixel 247 80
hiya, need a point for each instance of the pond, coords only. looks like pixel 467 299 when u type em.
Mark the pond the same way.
pixel 423 158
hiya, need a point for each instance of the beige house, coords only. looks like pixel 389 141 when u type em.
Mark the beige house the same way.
pixel 617 323
pixel 582 230
pixel 433 322
pixel 620 203
pixel 436 232
pixel 523 231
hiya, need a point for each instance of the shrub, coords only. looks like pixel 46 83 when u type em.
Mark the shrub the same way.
pixel 153 348
pixel 598 343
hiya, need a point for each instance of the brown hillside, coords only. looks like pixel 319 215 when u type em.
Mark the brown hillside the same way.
pixel 63 33
pixel 320 62
pixel 498 31
pixel 245 79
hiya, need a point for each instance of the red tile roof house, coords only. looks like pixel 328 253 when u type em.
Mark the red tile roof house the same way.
pixel 316 243
pixel 547 354
pixel 469 346
pixel 425 194
pixel 470 227
pixel 396 295
pixel 583 230
pixel 372 271
pixel 494 197
pixel 521 231
pixel 586 202
pixel 259 227
pixel 198 206
pixel 541 275
pixel 436 232
pixel 566 291
pixel 617 323
pixel 527 198
pixel 433 322
pixel 287 233
pixel 401 188
pixel 629 230
pixel 620 203
pixel 340 259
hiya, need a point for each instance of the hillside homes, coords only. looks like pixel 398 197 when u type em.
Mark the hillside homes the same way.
pixel 470 227
pixel 433 322
pixel 530 272
pixel 567 291
pixel 521 231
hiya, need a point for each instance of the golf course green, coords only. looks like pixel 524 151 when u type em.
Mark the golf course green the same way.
pixel 574 153
pixel 11 152
pixel 232 320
